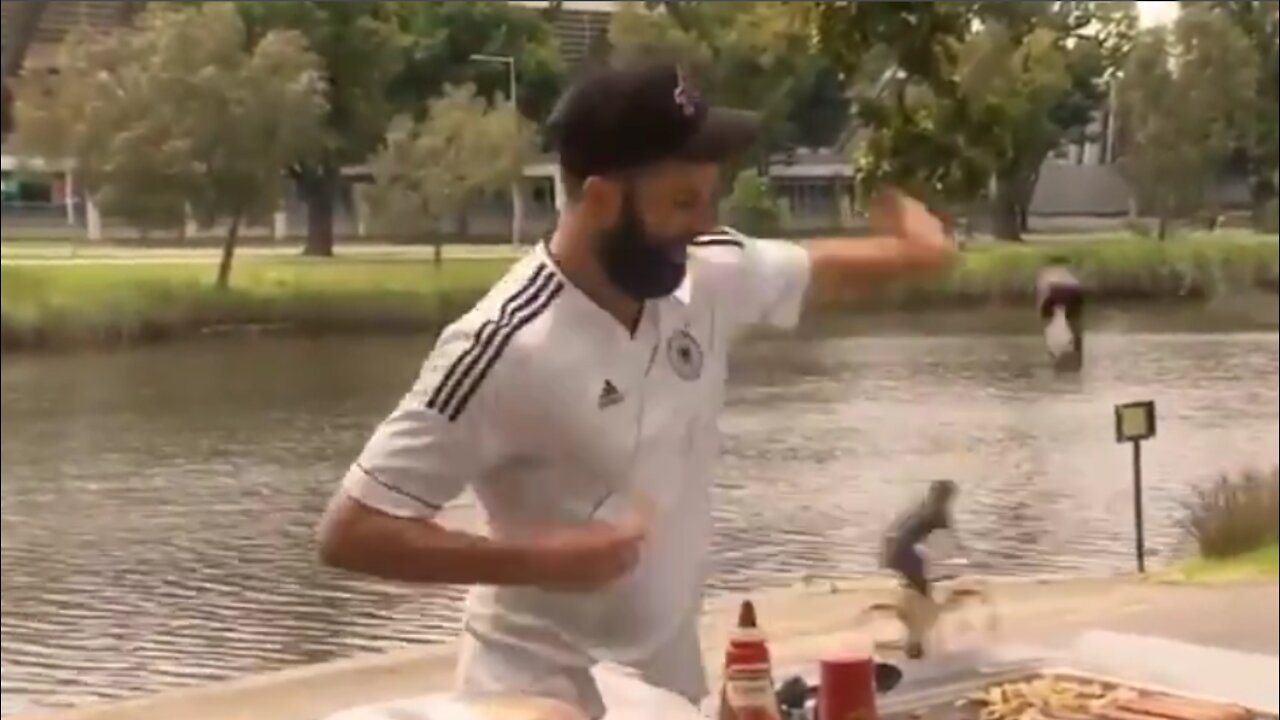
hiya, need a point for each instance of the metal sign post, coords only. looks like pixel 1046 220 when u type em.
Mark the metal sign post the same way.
pixel 1136 422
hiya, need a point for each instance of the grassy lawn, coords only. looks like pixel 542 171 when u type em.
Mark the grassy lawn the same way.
pixel 1262 564
pixel 88 303
pixel 1113 267
pixel 124 296
pixel 1234 521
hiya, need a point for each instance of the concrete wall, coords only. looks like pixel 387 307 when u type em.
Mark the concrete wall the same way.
pixel 1088 190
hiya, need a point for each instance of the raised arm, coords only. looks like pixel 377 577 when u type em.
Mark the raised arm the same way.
pixel 770 282
pixel 907 239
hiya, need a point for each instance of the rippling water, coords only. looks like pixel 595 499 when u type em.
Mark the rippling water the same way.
pixel 158 505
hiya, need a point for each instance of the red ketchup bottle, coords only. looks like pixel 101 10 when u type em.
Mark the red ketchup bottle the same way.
pixel 748 692
pixel 848 687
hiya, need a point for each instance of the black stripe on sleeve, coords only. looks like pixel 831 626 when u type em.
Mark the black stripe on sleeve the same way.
pixel 518 321
pixel 483 337
pixel 718 239
pixel 477 362
pixel 398 491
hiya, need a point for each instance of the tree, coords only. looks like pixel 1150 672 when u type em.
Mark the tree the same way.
pixel 388 58
pixel 972 91
pixel 1260 149
pixel 487 44
pixel 751 206
pixel 178 116
pixel 912 124
pixel 432 168
pixel 747 55
pixel 23 22
pixel 1036 75
pixel 1186 97
pixel 441 39
pixel 361 52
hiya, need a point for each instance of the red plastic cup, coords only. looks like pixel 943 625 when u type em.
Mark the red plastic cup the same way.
pixel 848 688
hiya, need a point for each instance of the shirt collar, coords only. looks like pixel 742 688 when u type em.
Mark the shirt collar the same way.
pixel 683 294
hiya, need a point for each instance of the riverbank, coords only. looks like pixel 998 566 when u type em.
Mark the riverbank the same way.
pixel 127 298
pixel 111 303
pixel 1261 564
pixel 803 623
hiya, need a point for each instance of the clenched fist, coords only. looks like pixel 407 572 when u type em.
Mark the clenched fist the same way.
pixel 591 555
pixel 923 240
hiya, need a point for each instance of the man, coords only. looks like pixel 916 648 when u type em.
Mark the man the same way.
pixel 1060 303
pixel 579 401
pixel 902 555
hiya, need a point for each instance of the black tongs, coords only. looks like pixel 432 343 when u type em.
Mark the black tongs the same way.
pixel 795 693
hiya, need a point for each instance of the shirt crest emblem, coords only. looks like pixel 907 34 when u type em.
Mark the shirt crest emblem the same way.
pixel 685 355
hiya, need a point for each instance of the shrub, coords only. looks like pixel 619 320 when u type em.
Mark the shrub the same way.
pixel 1140 227
pixel 1235 515
pixel 751 206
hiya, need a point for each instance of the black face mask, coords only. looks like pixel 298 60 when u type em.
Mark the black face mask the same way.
pixel 637 262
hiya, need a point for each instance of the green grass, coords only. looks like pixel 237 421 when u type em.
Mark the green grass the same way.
pixel 1235 522
pixel 1261 564
pixel 97 304
pixel 91 303
pixel 1114 268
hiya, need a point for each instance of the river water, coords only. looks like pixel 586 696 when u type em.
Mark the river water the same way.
pixel 158 504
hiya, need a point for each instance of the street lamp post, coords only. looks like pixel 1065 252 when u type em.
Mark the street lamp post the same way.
pixel 517 196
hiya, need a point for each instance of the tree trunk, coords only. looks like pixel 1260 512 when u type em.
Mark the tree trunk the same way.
pixel 23 34
pixel 1162 225
pixel 228 254
pixel 1026 194
pixel 319 193
pixel 1006 216
pixel 463 227
pixel 437 249
pixel 6 111
pixel 1264 191
pixel 1015 189
pixel 949 223
pixel 26 24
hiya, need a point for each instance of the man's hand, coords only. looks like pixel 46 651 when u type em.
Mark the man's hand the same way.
pixel 589 556
pixel 921 237
pixel 581 557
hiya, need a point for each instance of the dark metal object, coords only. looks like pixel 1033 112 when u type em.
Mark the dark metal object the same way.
pixel 796 695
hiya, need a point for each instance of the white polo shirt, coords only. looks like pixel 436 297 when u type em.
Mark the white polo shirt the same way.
pixel 552 412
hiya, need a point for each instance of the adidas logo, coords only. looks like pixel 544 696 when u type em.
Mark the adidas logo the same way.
pixel 609 395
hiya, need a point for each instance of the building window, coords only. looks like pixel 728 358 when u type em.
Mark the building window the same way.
pixel 814 198
pixel 26 189
pixel 542 194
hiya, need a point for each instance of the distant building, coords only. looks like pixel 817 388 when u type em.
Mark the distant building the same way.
pixel 580 25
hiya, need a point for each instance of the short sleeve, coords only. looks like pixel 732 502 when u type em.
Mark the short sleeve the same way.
pixel 760 282
pixel 435 443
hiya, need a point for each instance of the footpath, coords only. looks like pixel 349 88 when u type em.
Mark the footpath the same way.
pixel 803 623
